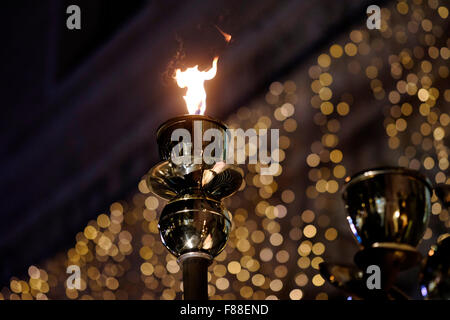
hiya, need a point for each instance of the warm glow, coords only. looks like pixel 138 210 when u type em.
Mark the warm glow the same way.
pixel 194 79
pixel 227 36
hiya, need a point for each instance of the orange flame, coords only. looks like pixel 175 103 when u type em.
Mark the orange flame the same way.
pixel 194 79
pixel 227 36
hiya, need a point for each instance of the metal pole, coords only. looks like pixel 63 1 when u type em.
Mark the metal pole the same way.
pixel 195 278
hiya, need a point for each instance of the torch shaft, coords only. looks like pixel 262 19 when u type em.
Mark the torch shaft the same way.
pixel 195 278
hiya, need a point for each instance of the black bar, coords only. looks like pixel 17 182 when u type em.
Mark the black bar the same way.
pixel 226 309
pixel 195 278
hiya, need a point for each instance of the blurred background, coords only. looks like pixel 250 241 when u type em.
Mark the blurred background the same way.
pixel 80 110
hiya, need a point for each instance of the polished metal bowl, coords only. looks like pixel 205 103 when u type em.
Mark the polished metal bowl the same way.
pixel 195 219
pixel 196 125
pixel 388 205
pixel 194 225
pixel 216 181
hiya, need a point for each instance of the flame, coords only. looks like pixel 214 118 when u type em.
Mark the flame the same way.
pixel 227 36
pixel 194 79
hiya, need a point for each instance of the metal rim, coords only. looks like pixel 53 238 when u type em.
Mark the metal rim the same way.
pixel 194 254
pixel 370 173
pixel 185 117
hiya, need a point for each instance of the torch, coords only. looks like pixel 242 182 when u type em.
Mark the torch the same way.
pixel 388 212
pixel 194 177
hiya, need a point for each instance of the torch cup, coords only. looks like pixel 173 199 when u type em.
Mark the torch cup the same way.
pixel 388 212
pixel 194 225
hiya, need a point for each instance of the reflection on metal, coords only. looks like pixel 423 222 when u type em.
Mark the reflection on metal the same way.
pixel 388 212
pixel 400 217
pixel 194 225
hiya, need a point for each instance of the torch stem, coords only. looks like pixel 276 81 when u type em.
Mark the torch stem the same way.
pixel 195 278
